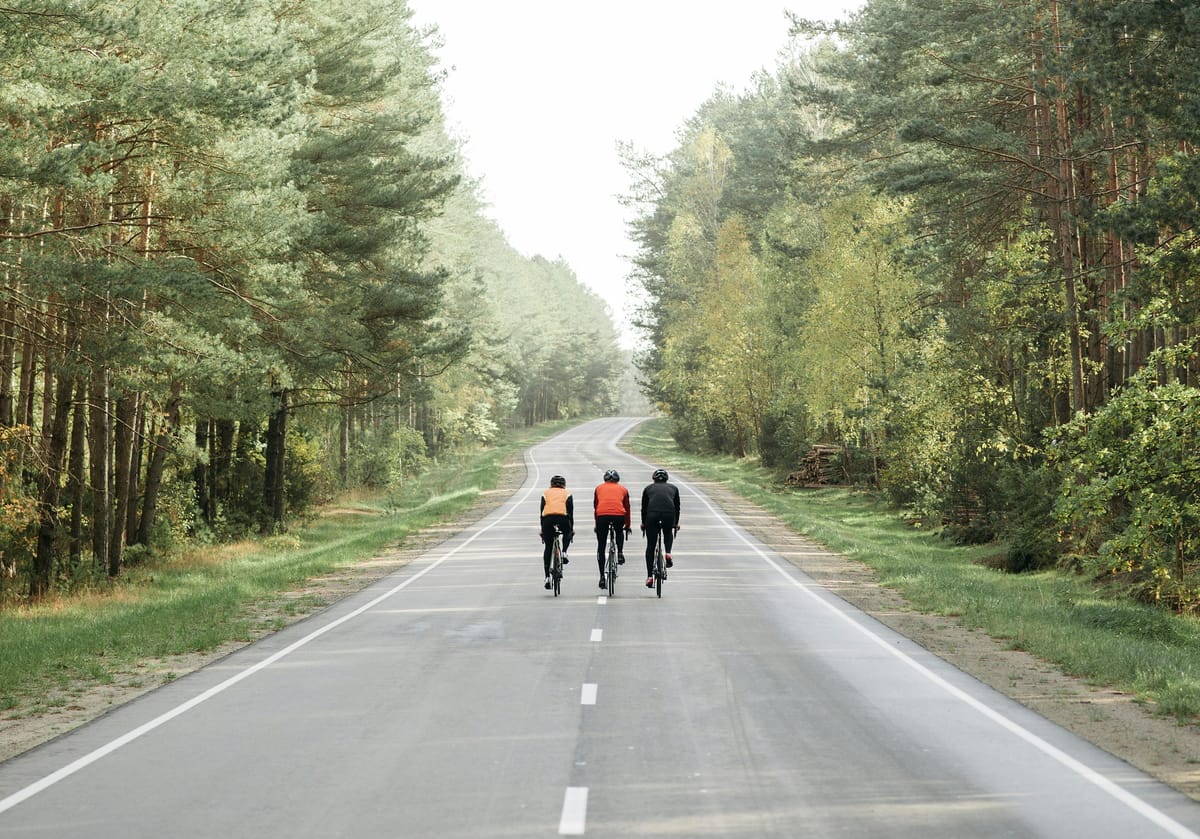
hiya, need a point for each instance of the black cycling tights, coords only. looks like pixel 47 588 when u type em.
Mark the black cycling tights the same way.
pixel 658 523
pixel 602 523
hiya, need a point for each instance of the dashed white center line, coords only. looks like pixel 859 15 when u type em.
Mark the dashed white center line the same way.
pixel 602 599
pixel 574 812
pixel 597 634
pixel 589 694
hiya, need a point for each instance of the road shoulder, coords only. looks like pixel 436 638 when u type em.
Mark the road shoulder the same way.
pixel 1112 720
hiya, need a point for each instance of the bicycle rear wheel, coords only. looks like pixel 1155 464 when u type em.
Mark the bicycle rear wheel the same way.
pixel 556 566
pixel 660 571
pixel 610 564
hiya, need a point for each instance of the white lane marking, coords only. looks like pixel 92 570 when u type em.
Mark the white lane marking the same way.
pixel 574 812
pixel 1118 792
pixel 602 599
pixel 588 694
pixel 597 634
pixel 110 747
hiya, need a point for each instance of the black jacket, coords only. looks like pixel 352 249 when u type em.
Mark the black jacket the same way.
pixel 661 499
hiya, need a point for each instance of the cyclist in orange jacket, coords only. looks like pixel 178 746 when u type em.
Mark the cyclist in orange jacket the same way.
pixel 610 504
pixel 557 509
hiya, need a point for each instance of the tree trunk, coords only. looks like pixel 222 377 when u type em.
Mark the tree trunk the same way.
pixel 273 483
pixel 47 399
pixel 222 461
pixel 158 461
pixel 122 464
pixel 75 470
pixel 201 472
pixel 100 463
pixel 28 377
pixel 163 443
pixel 344 447
pixel 8 363
pixel 50 482
pixel 135 471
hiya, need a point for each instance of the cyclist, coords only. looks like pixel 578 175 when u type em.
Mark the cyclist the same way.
pixel 660 514
pixel 557 509
pixel 610 504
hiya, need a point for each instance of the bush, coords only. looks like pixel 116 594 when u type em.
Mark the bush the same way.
pixel 306 481
pixel 1028 493
pixel 786 437
pixel 1131 507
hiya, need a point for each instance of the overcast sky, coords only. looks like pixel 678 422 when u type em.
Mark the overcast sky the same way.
pixel 542 91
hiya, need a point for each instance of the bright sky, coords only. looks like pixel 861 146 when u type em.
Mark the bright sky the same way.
pixel 542 91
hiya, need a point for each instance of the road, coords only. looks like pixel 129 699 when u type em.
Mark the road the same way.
pixel 458 698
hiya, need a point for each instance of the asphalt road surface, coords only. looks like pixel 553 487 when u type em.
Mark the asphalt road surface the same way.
pixel 459 698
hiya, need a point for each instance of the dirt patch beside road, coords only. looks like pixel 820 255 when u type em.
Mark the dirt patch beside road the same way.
pixel 1112 720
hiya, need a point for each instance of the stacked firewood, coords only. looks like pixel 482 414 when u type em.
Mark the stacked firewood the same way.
pixel 820 466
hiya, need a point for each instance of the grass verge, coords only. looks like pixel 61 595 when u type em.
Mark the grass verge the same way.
pixel 1057 616
pixel 210 596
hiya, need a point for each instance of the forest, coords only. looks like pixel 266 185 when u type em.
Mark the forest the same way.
pixel 954 245
pixel 243 269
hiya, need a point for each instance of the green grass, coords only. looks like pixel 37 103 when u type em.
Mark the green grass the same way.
pixel 1055 615
pixel 208 598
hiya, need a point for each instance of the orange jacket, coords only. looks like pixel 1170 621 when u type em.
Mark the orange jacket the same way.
pixel 611 499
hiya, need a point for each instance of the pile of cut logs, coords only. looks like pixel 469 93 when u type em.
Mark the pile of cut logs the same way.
pixel 819 467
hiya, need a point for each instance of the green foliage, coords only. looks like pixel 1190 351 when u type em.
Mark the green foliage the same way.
pixel 1131 483
pixel 308 483
pixel 388 461
pixel 973 230
pixel 246 225
pixel 18 504
pixel 1027 493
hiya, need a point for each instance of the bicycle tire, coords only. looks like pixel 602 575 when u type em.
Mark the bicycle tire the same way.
pixel 610 564
pixel 556 571
pixel 659 571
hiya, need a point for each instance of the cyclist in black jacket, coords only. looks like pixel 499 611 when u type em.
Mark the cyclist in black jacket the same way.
pixel 660 514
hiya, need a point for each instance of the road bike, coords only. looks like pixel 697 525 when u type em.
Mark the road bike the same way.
pixel 660 565
pixel 556 563
pixel 610 560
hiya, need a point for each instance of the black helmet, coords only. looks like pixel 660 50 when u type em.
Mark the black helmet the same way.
pixel 611 475
pixel 558 481
pixel 659 476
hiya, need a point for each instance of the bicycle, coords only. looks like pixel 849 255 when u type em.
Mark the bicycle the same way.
pixel 556 563
pixel 610 560
pixel 660 565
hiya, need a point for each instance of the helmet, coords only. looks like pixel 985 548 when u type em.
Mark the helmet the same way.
pixel 611 475
pixel 558 481
pixel 659 476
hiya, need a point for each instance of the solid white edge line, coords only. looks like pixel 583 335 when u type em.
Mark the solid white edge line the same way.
pixel 1118 792
pixel 574 812
pixel 587 696
pixel 71 768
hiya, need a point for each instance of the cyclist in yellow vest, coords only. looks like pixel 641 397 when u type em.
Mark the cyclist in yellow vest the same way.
pixel 557 509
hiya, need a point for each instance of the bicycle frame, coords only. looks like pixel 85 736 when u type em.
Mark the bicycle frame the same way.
pixel 610 560
pixel 556 566
pixel 660 569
